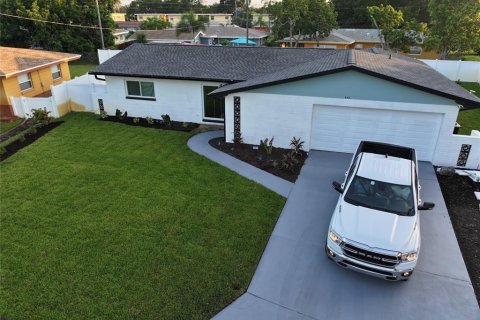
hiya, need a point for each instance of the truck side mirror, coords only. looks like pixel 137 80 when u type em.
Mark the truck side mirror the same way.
pixel 337 186
pixel 426 206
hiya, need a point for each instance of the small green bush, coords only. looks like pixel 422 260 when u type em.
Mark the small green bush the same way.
pixel 21 138
pixel 41 116
pixel 237 139
pixel 289 161
pixel 150 120
pixel 104 114
pixel 166 119
pixel 2 150
pixel 118 113
pixel 267 146
pixel 297 145
pixel 136 120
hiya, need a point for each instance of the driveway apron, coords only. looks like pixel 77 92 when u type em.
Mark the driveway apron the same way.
pixel 295 279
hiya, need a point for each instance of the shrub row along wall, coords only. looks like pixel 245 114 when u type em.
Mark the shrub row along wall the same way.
pixel 74 95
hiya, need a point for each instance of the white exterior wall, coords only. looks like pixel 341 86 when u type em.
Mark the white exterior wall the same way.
pixel 181 99
pixel 285 116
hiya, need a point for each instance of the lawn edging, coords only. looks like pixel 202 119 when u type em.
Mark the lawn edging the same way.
pixel 199 144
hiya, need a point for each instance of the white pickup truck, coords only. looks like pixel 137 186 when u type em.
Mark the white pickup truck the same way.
pixel 375 228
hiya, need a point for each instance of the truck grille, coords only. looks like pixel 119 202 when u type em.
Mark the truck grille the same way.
pixel 369 256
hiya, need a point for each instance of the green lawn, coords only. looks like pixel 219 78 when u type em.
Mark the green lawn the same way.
pixel 5 126
pixel 107 221
pixel 471 58
pixel 469 119
pixel 79 69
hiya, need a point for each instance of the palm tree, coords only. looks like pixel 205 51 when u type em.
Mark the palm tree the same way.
pixel 190 23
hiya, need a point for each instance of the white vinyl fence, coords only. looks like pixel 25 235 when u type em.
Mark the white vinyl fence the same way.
pixel 466 71
pixel 74 95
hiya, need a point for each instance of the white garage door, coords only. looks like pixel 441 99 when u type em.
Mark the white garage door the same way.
pixel 341 129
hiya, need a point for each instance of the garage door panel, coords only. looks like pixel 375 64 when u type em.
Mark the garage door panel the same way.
pixel 341 129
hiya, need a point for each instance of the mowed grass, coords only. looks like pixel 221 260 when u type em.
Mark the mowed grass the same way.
pixel 469 119
pixel 107 221
pixel 80 68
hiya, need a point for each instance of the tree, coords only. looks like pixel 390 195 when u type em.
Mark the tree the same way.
pixel 397 34
pixel 141 37
pixel 155 24
pixel 240 19
pixel 57 37
pixel 294 18
pixel 190 23
pixel 354 14
pixel 387 20
pixel 455 26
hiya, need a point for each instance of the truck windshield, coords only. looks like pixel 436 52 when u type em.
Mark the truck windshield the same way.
pixel 381 195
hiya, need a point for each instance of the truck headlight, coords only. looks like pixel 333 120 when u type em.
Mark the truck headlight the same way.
pixel 335 237
pixel 408 257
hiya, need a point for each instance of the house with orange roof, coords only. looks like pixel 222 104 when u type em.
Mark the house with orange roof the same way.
pixel 30 73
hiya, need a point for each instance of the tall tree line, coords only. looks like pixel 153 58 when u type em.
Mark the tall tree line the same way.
pixel 17 32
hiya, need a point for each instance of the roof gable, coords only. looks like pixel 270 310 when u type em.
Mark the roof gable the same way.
pixel 14 61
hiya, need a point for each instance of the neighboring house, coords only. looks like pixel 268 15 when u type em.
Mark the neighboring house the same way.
pixel 222 34
pixel 331 99
pixel 30 73
pixel 174 18
pixel 120 36
pixel 212 35
pixel 353 39
pixel 128 25
pixel 167 36
pixel 118 17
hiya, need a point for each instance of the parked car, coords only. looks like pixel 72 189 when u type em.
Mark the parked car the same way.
pixel 375 228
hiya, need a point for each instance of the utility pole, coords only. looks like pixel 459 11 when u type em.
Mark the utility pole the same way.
pixel 100 25
pixel 246 11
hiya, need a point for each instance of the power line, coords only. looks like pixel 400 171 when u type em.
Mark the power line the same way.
pixel 53 22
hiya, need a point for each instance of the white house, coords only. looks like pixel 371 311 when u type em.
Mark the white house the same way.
pixel 331 99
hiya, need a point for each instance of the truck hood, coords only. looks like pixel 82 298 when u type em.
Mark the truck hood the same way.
pixel 376 229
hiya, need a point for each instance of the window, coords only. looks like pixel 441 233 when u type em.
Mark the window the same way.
pixel 213 108
pixel 25 81
pixel 358 45
pixel 56 72
pixel 140 89
pixel 212 17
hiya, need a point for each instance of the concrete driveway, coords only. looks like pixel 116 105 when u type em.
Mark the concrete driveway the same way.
pixel 295 280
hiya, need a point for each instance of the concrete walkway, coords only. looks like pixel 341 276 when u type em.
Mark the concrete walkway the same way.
pixel 199 144
pixel 295 280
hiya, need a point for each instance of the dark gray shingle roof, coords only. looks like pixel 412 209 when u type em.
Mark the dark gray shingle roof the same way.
pixel 245 68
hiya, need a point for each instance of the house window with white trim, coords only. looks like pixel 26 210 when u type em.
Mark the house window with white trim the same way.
pixel 25 81
pixel 140 89
pixel 56 72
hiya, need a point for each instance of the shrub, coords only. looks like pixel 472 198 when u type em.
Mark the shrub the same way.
pixel 166 119
pixel 267 145
pixel 103 114
pixel 125 115
pixel 149 120
pixel 21 138
pixel 185 124
pixel 297 145
pixel 136 120
pixel 118 113
pixel 237 138
pixel 2 150
pixel 289 161
pixel 41 116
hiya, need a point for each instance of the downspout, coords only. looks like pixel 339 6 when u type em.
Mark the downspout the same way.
pixel 99 79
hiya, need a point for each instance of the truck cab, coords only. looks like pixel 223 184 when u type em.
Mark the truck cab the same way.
pixel 375 227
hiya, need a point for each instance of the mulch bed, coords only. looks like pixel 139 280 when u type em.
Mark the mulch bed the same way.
pixel 257 157
pixel 465 216
pixel 157 124
pixel 17 145
pixel 16 130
